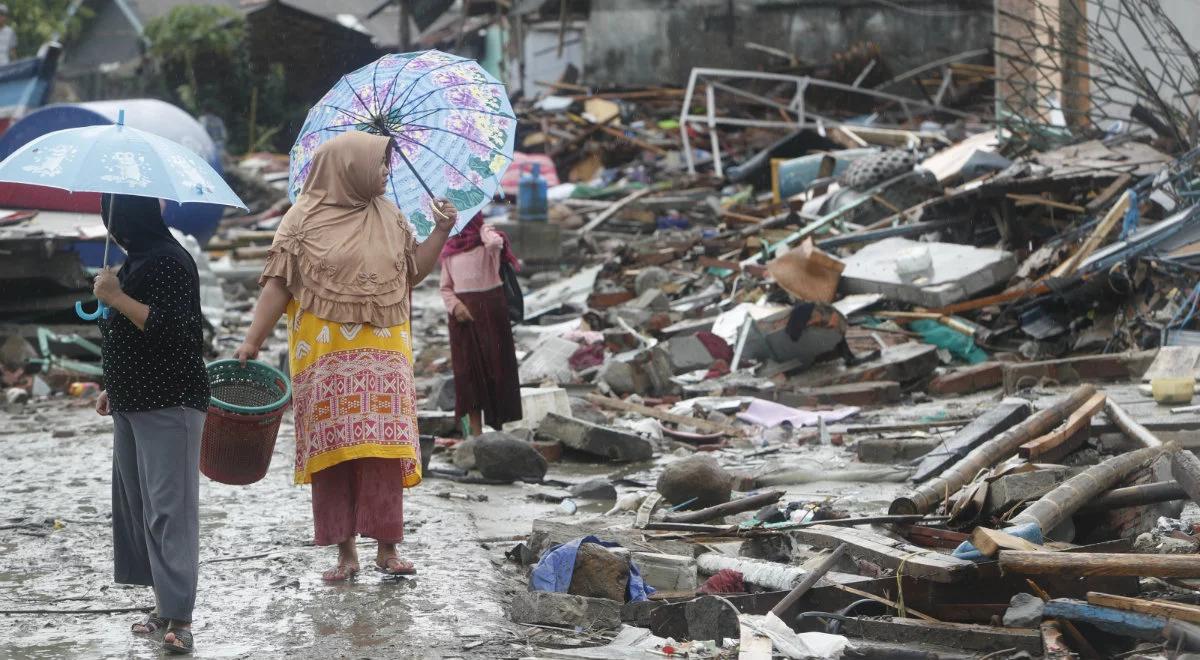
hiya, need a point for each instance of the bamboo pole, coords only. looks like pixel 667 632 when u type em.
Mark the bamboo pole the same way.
pixel 1059 504
pixel 1076 564
pixel 736 506
pixel 1140 495
pixel 1185 467
pixel 925 498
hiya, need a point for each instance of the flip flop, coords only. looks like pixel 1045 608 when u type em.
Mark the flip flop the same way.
pixel 406 567
pixel 183 635
pixel 342 573
pixel 152 623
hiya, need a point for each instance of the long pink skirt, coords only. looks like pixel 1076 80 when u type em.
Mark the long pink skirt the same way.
pixel 364 496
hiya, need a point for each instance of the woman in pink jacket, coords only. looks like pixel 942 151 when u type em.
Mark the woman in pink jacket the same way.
pixel 481 343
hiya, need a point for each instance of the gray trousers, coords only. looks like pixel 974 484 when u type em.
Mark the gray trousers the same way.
pixel 156 504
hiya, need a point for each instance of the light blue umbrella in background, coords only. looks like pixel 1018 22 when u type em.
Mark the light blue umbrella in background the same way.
pixel 121 160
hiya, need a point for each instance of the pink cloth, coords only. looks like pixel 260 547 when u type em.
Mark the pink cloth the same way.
pixel 474 270
pixel 364 496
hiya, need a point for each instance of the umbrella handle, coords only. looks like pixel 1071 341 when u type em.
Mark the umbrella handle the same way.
pixel 101 311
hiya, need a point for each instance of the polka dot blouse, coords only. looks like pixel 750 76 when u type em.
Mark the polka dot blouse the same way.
pixel 161 366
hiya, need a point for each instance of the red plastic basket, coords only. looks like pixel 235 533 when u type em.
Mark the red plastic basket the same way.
pixel 247 404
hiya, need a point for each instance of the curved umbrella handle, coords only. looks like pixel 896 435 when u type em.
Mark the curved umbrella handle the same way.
pixel 101 311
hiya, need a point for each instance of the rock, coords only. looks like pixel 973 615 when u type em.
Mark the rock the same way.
pixel 593 439
pixel 504 458
pixel 1154 544
pixel 587 411
pixel 699 477
pixel 555 609
pixel 600 573
pixel 686 354
pixel 441 394
pixel 1024 611
pixel 15 396
pixel 464 454
pixel 594 489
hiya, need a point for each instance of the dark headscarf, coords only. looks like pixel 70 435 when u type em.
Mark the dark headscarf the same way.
pixel 137 225
pixel 470 238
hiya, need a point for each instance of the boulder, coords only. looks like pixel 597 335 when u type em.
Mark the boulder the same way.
pixel 464 454
pixel 502 457
pixel 699 477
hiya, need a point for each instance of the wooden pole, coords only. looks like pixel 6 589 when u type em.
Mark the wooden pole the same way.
pixel 809 580
pixel 612 210
pixel 1043 445
pixel 1129 426
pixel 1070 496
pixel 1076 564
pixel 925 498
pixel 736 506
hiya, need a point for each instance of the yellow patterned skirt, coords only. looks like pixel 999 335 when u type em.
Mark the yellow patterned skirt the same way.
pixel 352 394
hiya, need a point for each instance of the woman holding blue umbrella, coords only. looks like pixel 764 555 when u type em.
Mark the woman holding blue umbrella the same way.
pixel 342 268
pixel 157 394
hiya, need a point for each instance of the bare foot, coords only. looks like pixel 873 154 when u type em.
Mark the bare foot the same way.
pixel 387 560
pixel 347 566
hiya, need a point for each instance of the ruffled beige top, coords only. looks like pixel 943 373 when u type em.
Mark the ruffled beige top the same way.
pixel 344 251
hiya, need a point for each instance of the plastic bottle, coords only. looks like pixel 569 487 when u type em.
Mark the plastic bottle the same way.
pixel 531 196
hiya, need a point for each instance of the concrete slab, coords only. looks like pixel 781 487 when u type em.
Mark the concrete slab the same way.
pixel 956 273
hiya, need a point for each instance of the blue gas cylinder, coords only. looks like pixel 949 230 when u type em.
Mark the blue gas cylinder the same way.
pixel 531 196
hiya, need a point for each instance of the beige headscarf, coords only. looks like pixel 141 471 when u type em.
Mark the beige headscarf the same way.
pixel 344 250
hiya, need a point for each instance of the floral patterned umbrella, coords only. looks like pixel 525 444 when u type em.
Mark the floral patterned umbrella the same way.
pixel 451 121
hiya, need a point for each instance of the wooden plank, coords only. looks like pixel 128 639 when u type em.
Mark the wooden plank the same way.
pixel 701 425
pixel 1102 200
pixel 750 503
pixel 889 553
pixel 1174 362
pixel 1161 608
pixel 966 636
pixel 1094 563
pixel 931 537
pixel 616 206
pixel 1030 200
pixel 1082 416
pixel 1103 229
pixel 991 541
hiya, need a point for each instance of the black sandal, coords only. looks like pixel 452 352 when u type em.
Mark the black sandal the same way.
pixel 152 623
pixel 182 635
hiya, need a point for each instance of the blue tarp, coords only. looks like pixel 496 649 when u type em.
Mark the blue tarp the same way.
pixel 554 571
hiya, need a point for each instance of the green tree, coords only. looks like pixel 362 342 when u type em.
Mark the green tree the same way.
pixel 38 21
pixel 201 53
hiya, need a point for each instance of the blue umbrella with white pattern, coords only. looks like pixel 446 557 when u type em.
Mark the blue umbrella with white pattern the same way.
pixel 117 159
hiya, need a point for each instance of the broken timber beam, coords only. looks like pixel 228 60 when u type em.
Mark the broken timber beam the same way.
pixel 1038 447
pixel 1055 507
pixel 728 508
pixel 990 542
pixel 886 552
pixel 1076 564
pixel 925 498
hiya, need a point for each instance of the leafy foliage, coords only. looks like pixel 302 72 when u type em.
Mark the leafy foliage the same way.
pixel 39 21
pixel 201 53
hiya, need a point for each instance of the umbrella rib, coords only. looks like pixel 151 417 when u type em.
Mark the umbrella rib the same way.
pixel 360 99
pixel 431 111
pixel 439 157
pixel 388 99
pixel 442 89
pixel 421 77
pixel 461 137
pixel 350 115
pixel 415 174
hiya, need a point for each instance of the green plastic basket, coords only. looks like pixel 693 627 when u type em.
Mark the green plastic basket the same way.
pixel 255 388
